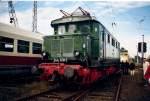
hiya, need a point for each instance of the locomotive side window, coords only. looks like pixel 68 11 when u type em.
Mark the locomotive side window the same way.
pixel 6 44
pixel 116 45
pixel 108 38
pixel 36 48
pixel 61 29
pixel 23 46
pixel 103 36
pixel 113 42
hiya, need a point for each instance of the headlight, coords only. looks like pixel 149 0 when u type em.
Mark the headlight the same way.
pixel 43 54
pixel 76 53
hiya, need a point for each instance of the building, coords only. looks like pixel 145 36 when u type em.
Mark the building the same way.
pixel 124 56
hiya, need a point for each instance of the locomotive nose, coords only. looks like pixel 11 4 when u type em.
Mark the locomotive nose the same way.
pixel 69 72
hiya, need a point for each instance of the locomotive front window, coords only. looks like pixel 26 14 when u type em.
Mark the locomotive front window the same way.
pixel 61 29
pixel 6 44
pixel 36 48
pixel 84 28
pixel 72 28
pixel 23 46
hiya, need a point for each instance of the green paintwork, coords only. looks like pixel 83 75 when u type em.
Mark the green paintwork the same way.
pixel 88 33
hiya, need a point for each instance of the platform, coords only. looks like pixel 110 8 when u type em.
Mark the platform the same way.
pixel 133 88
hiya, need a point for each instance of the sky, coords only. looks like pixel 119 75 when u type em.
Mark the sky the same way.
pixel 132 18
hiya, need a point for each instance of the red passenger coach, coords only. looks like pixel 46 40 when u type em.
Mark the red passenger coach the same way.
pixel 20 50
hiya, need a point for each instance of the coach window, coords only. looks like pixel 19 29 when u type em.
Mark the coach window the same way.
pixel 36 48
pixel 23 46
pixel 6 44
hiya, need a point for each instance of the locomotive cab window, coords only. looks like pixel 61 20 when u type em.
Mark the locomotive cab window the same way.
pixel 84 28
pixel 36 48
pixel 6 44
pixel 72 28
pixel 23 46
pixel 61 29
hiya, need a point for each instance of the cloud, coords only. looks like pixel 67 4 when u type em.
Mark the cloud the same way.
pixel 52 3
pixel 44 17
pixel 106 8
pixel 3 7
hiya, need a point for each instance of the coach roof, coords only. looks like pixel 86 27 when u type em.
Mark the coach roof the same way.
pixel 4 28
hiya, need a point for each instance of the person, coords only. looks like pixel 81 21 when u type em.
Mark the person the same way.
pixel 147 75
pixel 122 66
pixel 132 68
pixel 126 67
pixel 145 66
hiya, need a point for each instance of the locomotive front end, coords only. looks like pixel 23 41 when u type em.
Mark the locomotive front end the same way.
pixel 71 42
pixel 70 45
pixel 68 49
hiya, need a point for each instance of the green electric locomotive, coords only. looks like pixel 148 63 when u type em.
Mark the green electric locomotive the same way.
pixel 81 50
pixel 80 38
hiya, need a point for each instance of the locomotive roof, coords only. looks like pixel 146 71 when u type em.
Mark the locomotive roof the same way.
pixel 69 19
pixel 11 30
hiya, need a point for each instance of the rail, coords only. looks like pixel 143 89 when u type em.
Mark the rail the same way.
pixel 118 89
pixel 30 96
pixel 79 95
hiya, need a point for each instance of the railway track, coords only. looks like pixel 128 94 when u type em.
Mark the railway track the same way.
pixel 20 86
pixel 107 91
pixel 54 95
pixel 16 81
